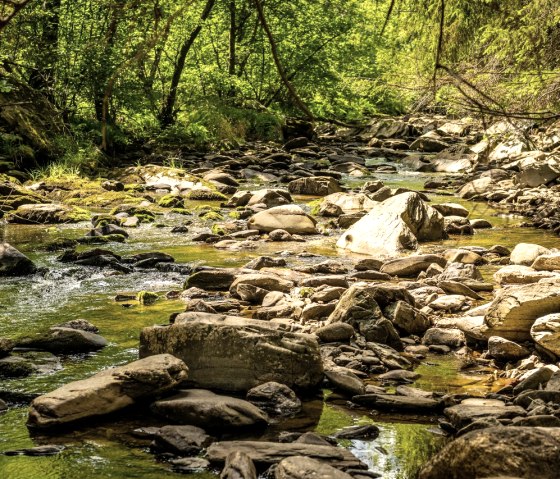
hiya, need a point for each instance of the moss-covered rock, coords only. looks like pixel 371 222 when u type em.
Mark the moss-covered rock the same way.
pixel 172 201
pixel 212 216
pixel 206 194
pixel 47 214
pixel 147 297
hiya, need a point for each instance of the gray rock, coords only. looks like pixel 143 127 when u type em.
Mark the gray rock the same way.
pixel 238 465
pixel 290 218
pixel 14 263
pixel 470 410
pixel 202 408
pixel 107 391
pixel 182 440
pixel 394 226
pixel 504 350
pixel 526 253
pixel 393 402
pixel 545 331
pixel 345 380
pixel 335 332
pixel 315 186
pixel 274 398
pixel 301 467
pixel 451 337
pixel 505 453
pixel 66 341
pixel 412 265
pixel 236 354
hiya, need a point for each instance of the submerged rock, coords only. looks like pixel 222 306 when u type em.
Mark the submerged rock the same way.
pixel 107 391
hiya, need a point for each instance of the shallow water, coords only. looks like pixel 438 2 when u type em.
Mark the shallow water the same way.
pixel 66 292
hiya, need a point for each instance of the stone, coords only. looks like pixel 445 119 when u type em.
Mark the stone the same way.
pixel 499 452
pixel 460 272
pixel 369 431
pixel 430 142
pixel 290 218
pixel 238 465
pixel 350 202
pixel 451 209
pixel 396 403
pixel 269 197
pixel 301 467
pixel 107 391
pixel 399 375
pixel 236 354
pixel 274 398
pixel 514 309
pixel 394 226
pixel 476 188
pixel 538 173
pixel 215 279
pixel 448 302
pixel 504 350
pixel 518 274
pixel 314 186
pixel 202 408
pixel 412 265
pixel 407 318
pixel 14 263
pixel 335 332
pixel 182 440
pixel 189 465
pixel 47 214
pixel 267 453
pixel 66 341
pixel 526 253
pixel 267 282
pixel 545 331
pixel 359 308
pixel 451 337
pixel 474 409
pixel 6 345
pixel 345 381
pixel 547 262
pixel 534 379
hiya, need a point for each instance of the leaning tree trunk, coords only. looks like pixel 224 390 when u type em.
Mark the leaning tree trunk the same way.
pixel 293 93
pixel 167 114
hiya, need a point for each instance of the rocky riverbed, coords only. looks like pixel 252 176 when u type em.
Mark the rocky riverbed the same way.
pixel 355 304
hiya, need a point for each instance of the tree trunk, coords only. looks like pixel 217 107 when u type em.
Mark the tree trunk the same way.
pixel 167 115
pixel 293 93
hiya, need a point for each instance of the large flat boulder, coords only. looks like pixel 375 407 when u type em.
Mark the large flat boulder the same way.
pixel 236 354
pixel 394 226
pixel 107 391
pixel 514 309
pixel 529 452
pixel 290 218
pixel 47 214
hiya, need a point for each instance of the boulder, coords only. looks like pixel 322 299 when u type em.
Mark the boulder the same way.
pixel 238 466
pixel 476 188
pixel 269 197
pixel 514 309
pixel 14 263
pixel 268 282
pixel 236 354
pixel 181 440
pixel 107 391
pixel 412 265
pixel 267 453
pixel 66 341
pixel 394 226
pixel 526 253
pixel 547 262
pixel 474 409
pixel 359 308
pixel 451 209
pixel 518 274
pixel 202 408
pixel 451 337
pixel 498 451
pixel 504 350
pixel 274 398
pixel 407 318
pixel 335 332
pixel 211 279
pixel 290 218
pixel 301 467
pixel 314 186
pixel 47 214
pixel 545 331
pixel 350 202
pixel 538 173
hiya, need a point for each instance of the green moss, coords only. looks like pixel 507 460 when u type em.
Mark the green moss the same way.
pixel 234 215
pixel 116 238
pixel 146 217
pixel 315 205
pixel 147 297
pixel 171 201
pixel 212 216
pixel 103 199
pixel 305 292
pixel 181 211
pixel 76 215
pixel 218 230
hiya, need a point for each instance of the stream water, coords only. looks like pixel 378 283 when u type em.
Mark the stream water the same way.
pixel 31 304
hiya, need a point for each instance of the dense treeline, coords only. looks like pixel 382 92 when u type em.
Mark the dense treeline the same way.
pixel 117 71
